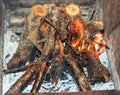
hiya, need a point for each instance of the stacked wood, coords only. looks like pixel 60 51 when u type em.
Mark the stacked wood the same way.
pixel 47 30
pixel 17 13
pixel 32 29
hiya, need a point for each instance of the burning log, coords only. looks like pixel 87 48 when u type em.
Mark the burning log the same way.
pixel 65 36
pixel 86 38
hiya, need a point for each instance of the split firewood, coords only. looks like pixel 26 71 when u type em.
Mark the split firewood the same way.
pixel 36 26
pixel 81 78
pixel 7 71
pixel 19 84
pixel 23 81
pixel 22 53
pixel 32 26
pixel 28 37
pixel 34 55
pixel 57 66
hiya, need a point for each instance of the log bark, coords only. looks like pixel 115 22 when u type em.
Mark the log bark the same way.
pixel 19 85
pixel 39 77
pixel 23 81
pixel 96 71
pixel 28 37
pixel 81 78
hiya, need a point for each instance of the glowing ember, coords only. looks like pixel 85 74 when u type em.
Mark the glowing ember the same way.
pixel 83 40
pixel 78 28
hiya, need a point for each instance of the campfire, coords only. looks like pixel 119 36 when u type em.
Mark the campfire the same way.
pixel 56 38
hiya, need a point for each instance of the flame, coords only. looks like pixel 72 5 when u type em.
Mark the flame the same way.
pixel 81 40
pixel 99 43
pixel 78 42
pixel 78 29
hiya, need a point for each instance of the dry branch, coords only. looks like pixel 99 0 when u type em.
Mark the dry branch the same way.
pixel 19 69
pixel 18 86
pixel 39 77
pixel 80 75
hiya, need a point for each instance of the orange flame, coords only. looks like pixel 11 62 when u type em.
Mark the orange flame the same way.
pixel 81 42
pixel 78 29
pixel 99 43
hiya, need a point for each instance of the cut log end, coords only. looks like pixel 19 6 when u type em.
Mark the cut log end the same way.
pixel 72 10
pixel 96 24
pixel 38 10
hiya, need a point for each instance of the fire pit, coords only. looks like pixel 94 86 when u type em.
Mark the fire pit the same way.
pixel 57 47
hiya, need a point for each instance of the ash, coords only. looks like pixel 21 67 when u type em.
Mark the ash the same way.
pixel 67 84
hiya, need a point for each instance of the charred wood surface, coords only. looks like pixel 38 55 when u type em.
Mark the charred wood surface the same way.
pixel 97 71
pixel 44 36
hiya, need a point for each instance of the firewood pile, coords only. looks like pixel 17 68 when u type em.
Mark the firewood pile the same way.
pixel 56 38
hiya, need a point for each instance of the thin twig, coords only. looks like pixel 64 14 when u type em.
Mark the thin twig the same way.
pixel 19 69
pixel 93 12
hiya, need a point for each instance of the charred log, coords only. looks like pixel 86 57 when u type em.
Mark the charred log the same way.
pixel 60 32
pixel 96 71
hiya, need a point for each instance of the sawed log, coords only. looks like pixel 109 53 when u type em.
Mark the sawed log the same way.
pixel 27 41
